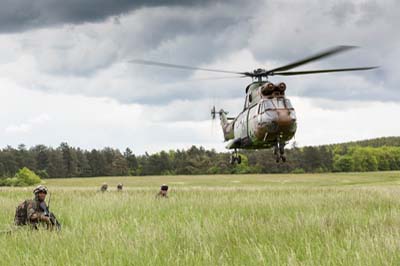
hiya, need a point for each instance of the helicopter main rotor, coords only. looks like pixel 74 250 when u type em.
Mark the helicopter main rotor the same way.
pixel 263 73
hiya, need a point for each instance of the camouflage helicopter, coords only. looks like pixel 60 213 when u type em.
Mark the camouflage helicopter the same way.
pixel 268 119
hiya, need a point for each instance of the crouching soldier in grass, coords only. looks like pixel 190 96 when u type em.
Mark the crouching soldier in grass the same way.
pixel 163 191
pixel 35 212
pixel 104 187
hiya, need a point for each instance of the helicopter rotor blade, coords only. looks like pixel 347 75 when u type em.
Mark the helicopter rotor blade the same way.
pixel 217 78
pixel 161 64
pixel 259 73
pixel 330 52
pixel 190 80
pixel 292 73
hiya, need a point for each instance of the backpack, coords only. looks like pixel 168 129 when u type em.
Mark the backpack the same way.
pixel 21 213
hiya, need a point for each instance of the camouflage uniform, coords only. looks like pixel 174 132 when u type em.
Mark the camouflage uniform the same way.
pixel 35 213
pixel 36 209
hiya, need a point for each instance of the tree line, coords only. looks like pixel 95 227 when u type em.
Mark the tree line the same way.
pixel 66 161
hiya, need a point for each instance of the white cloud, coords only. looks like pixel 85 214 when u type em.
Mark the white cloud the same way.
pixel 43 118
pixel 95 123
pixel 98 122
pixel 28 126
pixel 352 120
pixel 23 128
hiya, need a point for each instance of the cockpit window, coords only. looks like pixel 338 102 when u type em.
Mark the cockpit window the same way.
pixel 275 103
pixel 288 104
pixel 279 102
pixel 268 105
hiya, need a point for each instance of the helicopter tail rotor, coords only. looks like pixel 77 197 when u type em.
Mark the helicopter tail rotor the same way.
pixel 220 112
pixel 213 112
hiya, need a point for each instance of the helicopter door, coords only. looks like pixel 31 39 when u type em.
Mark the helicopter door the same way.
pixel 240 131
pixel 252 120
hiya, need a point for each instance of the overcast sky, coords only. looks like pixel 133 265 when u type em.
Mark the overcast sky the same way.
pixel 65 74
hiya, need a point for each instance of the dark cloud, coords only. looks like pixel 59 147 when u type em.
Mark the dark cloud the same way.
pixel 185 35
pixel 92 59
pixel 21 15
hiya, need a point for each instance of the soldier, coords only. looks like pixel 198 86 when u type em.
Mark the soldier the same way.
pixel 104 187
pixel 163 191
pixel 119 186
pixel 34 212
pixel 37 208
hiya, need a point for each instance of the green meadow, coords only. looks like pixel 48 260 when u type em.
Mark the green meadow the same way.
pixel 285 219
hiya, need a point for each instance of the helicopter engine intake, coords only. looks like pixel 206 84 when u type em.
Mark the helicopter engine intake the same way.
pixel 267 89
pixel 282 87
pixel 272 90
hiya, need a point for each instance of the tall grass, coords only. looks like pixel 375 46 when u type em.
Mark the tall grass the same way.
pixel 346 219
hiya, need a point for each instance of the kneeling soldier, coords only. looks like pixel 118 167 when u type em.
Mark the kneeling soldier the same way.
pixel 35 212
pixel 163 191
pixel 104 187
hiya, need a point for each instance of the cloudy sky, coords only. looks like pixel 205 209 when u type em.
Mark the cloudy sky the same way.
pixel 65 74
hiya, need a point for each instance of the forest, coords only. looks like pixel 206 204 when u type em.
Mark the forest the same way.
pixel 379 154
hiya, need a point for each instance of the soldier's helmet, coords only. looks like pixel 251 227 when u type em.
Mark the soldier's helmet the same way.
pixel 164 187
pixel 40 188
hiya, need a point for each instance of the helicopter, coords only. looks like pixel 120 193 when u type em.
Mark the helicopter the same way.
pixel 268 119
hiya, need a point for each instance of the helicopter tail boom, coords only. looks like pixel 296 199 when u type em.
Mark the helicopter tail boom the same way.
pixel 226 122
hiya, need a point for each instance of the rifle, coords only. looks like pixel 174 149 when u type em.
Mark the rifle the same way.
pixel 53 220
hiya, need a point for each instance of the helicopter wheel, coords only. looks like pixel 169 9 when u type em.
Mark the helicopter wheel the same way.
pixel 239 159
pixel 279 151
pixel 282 152
pixel 235 158
pixel 276 149
pixel 276 153
pixel 281 148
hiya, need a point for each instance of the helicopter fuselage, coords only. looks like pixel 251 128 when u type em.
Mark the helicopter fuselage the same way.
pixel 268 119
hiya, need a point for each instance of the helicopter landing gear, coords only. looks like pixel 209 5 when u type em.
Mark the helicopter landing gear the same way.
pixel 235 158
pixel 279 152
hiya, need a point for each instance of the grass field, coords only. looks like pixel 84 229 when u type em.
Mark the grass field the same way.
pixel 307 219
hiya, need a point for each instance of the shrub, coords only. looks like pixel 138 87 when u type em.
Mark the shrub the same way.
pixel 24 177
